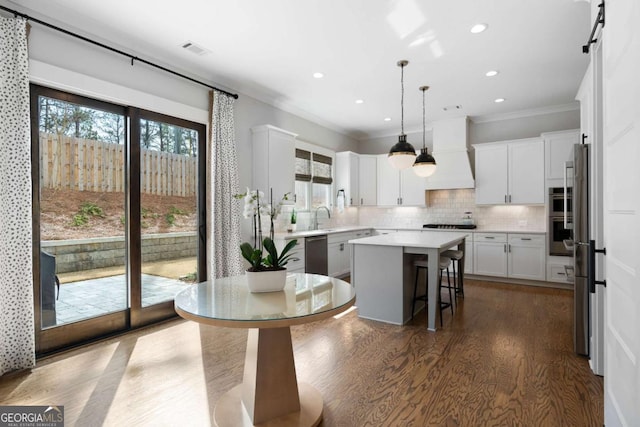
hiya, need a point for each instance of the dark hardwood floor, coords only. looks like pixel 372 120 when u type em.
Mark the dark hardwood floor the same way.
pixel 505 359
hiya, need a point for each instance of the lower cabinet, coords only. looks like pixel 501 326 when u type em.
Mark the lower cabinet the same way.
pixel 468 255
pixel 518 256
pixel 526 256
pixel 560 269
pixel 339 253
pixel 490 254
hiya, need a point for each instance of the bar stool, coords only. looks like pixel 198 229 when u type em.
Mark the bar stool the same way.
pixel 458 282
pixel 443 264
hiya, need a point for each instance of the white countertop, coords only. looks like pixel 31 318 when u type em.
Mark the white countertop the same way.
pixel 435 239
pixel 343 229
pixel 320 232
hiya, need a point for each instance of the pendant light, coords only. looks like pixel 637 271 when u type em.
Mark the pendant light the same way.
pixel 402 155
pixel 425 164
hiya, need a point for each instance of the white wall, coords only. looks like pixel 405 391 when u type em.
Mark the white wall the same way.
pixel 523 127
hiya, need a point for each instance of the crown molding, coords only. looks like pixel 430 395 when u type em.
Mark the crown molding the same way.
pixel 552 109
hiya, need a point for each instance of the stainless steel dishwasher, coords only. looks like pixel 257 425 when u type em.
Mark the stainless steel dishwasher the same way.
pixel 315 255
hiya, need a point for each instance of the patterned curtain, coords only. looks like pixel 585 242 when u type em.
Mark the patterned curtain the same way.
pixel 223 209
pixel 17 340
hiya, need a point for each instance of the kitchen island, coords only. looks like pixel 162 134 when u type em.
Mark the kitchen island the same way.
pixel 383 274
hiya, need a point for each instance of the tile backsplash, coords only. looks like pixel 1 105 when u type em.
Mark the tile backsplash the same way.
pixel 449 207
pixel 445 207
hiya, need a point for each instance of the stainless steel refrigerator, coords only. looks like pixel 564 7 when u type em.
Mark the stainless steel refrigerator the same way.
pixel 581 255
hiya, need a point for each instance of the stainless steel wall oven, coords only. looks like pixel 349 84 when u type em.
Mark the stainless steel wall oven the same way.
pixel 560 219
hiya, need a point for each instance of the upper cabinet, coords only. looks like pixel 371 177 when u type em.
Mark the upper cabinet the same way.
pixel 347 176
pixel 510 172
pixel 399 188
pixel 368 180
pixel 273 160
pixel 356 175
pixel 558 147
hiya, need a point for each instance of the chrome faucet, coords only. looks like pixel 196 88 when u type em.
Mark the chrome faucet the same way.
pixel 315 215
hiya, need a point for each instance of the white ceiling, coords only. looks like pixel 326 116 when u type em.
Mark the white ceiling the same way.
pixel 270 49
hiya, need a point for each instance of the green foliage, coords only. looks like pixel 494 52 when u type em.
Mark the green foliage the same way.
pixel 175 211
pixel 170 218
pixel 253 256
pixel 146 213
pixel 91 209
pixel 86 211
pixel 273 260
pixel 79 220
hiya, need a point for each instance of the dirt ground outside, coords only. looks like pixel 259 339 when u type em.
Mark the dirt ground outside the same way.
pixel 68 215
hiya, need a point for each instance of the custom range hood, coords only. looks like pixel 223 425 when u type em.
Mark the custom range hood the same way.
pixel 453 169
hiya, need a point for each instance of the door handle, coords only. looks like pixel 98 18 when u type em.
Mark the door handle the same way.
pixel 567 166
pixel 591 269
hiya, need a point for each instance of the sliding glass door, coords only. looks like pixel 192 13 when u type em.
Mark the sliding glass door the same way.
pixel 117 215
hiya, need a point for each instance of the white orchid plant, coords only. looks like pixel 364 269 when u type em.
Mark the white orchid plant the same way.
pixel 254 207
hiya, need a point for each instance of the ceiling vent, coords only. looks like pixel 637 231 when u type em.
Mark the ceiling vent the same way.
pixel 194 48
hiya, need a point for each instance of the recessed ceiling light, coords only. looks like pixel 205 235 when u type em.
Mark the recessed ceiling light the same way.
pixel 492 73
pixel 478 28
pixel 318 75
pixel 359 101
pixel 387 119
pixel 499 100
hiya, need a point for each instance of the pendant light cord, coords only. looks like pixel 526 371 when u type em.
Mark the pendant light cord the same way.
pixel 402 99
pixel 424 125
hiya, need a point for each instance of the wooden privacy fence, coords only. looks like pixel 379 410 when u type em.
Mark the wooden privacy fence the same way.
pixel 89 165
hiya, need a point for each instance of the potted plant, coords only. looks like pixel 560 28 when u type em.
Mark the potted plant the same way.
pixel 294 220
pixel 267 273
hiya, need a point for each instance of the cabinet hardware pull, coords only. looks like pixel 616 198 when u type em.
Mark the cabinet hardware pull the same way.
pixel 505 198
pixel 361 201
pixel 504 247
pixel 489 237
pixel 509 198
pixel 342 246
pixel 509 247
pixel 525 238
pixel 350 200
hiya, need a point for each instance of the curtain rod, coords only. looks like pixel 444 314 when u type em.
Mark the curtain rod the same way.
pixel 112 49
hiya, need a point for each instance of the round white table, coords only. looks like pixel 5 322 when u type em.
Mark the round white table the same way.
pixel 270 393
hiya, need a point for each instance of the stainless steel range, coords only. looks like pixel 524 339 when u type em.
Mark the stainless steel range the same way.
pixel 451 226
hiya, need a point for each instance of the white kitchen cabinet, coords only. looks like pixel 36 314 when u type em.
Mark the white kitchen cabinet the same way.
pixel 558 149
pixel 526 256
pixel 398 187
pixel 560 269
pixel 273 161
pixel 513 255
pixel 348 176
pixel 368 180
pixel 468 255
pixel 510 172
pixel 339 253
pixel 356 175
pixel 490 254
pixel 338 259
